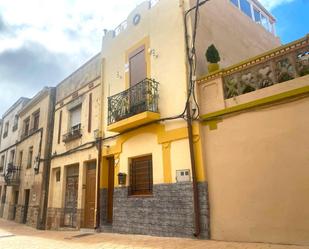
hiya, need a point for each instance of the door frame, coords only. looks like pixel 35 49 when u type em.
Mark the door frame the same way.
pixel 110 189
pixel 26 205
pixel 16 196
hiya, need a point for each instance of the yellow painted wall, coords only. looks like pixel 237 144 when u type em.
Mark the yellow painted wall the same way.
pixel 170 150
pixel 256 163
pixel 150 147
pixel 78 158
pixel 169 68
pixel 180 157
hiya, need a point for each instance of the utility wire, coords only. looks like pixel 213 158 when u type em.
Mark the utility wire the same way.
pixel 191 57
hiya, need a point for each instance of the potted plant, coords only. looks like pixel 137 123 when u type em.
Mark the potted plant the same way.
pixel 212 57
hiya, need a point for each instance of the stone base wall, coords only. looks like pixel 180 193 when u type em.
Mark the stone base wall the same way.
pixel 11 210
pixel 32 215
pixel 103 206
pixel 55 218
pixel 19 214
pixel 169 212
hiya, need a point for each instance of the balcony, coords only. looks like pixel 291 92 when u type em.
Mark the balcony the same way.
pixel 12 175
pixel 133 107
pixel 73 134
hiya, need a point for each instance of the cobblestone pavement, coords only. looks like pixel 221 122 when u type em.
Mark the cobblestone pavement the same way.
pixel 17 236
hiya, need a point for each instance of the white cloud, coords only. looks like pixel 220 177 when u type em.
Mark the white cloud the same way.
pixel 49 22
pixel 271 4
pixel 65 28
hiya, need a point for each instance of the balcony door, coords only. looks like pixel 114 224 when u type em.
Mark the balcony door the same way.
pixel 137 66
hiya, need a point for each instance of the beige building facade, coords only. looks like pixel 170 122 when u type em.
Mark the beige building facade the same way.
pixel 73 178
pixel 146 173
pixel 28 168
pixel 255 141
pixel 9 140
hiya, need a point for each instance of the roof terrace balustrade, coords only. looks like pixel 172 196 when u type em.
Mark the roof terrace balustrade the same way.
pixel 274 67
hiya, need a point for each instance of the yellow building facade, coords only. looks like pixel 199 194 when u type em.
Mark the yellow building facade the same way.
pixel 146 173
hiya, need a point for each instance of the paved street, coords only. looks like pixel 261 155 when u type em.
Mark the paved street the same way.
pixel 16 236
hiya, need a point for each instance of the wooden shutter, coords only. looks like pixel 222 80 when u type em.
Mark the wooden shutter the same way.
pixel 76 116
pixel 141 176
pixel 138 67
pixel 59 127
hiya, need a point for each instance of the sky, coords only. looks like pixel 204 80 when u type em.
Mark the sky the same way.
pixel 43 41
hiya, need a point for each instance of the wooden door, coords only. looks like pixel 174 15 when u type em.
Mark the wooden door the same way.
pixel 89 221
pixel 138 66
pixel 110 193
pixel 26 206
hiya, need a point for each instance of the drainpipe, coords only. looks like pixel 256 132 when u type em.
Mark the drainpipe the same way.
pixel 47 156
pixel 196 202
pixel 99 146
pixel 99 142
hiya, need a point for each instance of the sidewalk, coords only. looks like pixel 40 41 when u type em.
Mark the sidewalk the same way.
pixel 17 236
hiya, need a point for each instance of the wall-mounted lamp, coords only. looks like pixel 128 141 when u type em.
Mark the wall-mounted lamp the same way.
pixel 153 53
pixel 36 166
pixel 118 75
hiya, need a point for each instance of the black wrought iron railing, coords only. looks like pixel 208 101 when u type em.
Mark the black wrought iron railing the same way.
pixel 12 175
pixel 74 133
pixel 140 98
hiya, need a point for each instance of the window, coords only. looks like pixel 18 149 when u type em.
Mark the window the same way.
pixel 12 156
pixel 137 66
pixel 26 127
pixel 141 176
pixel 2 163
pixel 246 7
pixel 20 158
pixel 30 156
pixel 75 118
pixel 36 120
pixel 257 15
pixel 235 2
pixel 6 129
pixel 15 124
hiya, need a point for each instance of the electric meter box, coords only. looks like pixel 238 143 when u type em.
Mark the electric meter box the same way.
pixel 183 175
